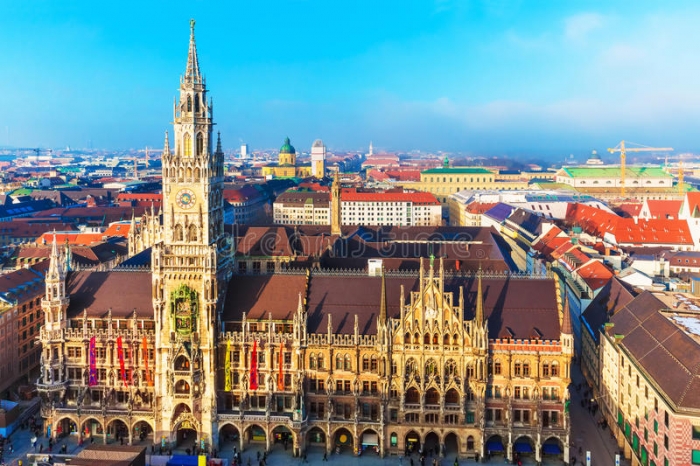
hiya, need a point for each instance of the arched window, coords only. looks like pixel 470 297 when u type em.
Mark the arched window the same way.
pixel 555 369
pixel 470 370
pixel 452 396
pixel 517 369
pixel 412 395
pixel 189 103
pixel 470 443
pixel 192 233
pixel 177 234
pixel 407 338
pixel 200 144
pixel 416 339
pixel 410 367
pixel 446 339
pixel 196 174
pixel 451 368
pixel 455 339
pixel 182 387
pixel 526 369
pixel 182 363
pixel 187 145
pixel 431 368
pixel 196 103
pixel 348 363
pixel 312 361
pixel 545 369
pixel 319 361
pixel 373 364
pixel 426 339
pixel 365 363
pixel 435 339
pixel 339 362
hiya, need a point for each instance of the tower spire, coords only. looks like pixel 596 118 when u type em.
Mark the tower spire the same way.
pixel 382 303
pixel 336 215
pixel 166 147
pixel 479 313
pixel 192 70
pixel 218 142
pixel 566 327
pixel 55 259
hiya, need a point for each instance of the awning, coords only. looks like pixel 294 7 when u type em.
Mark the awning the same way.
pixel 370 439
pixel 551 449
pixel 494 446
pixel 523 447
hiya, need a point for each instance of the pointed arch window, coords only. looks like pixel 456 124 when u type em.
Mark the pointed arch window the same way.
pixel 319 361
pixel 312 361
pixel 430 368
pixel 348 363
pixel 192 233
pixel 339 362
pixel 189 103
pixel 196 103
pixel 200 144
pixel 187 144
pixel 178 234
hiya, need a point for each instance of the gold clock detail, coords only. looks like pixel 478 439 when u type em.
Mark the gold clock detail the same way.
pixel 185 198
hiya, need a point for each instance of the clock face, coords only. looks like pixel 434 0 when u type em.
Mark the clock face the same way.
pixel 185 198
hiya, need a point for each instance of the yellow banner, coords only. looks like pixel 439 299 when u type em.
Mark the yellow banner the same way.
pixel 227 367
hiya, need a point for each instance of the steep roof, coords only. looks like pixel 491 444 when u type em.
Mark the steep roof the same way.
pixel 661 347
pixel 664 209
pixel 122 292
pixel 515 307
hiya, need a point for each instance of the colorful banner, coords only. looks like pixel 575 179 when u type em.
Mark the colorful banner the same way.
pixel 227 367
pixel 280 377
pixel 253 384
pixel 145 361
pixel 93 363
pixel 120 355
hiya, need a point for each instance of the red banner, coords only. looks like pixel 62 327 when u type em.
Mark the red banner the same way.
pixel 145 361
pixel 253 384
pixel 93 363
pixel 120 354
pixel 280 377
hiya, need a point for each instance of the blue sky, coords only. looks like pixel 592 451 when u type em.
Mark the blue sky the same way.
pixel 489 76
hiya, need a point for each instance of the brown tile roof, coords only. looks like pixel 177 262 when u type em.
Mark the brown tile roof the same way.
pixel 260 295
pixel 97 292
pixel 515 307
pixel 661 348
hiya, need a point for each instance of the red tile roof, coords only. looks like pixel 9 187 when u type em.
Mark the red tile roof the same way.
pixel 630 209
pixel 665 209
pixel 480 207
pixel 693 200
pixel 595 274
pixel 598 222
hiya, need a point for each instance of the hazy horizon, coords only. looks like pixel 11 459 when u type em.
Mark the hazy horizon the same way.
pixel 543 79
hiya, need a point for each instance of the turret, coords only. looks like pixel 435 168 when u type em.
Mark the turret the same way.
pixel 567 332
pixel 55 303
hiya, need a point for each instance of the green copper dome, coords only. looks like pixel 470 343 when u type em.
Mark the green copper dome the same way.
pixel 287 148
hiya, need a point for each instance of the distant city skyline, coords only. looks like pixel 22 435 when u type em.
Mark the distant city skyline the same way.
pixel 483 77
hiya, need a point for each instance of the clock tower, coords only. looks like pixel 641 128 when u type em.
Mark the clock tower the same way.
pixel 191 266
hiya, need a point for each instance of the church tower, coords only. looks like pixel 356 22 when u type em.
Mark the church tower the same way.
pixel 190 266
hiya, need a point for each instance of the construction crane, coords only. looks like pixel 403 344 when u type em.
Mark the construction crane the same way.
pixel 623 158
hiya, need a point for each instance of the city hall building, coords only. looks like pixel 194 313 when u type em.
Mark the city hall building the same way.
pixel 179 348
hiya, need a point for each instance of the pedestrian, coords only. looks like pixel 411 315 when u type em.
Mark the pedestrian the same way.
pixel 41 448
pixel 325 457
pixel 258 456
pixel 121 439
pixel 456 463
